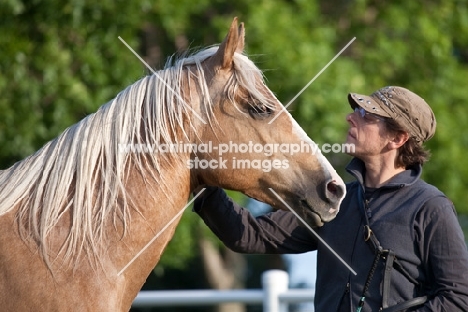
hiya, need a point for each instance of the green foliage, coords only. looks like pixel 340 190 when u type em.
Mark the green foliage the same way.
pixel 60 60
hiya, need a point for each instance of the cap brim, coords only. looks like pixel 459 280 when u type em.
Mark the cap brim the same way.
pixel 368 103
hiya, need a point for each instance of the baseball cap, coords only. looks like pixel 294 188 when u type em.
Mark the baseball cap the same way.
pixel 407 108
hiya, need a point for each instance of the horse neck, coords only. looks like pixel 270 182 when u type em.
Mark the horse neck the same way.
pixel 153 209
pixel 157 187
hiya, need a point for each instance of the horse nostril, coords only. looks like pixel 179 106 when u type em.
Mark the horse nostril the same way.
pixel 331 187
pixel 334 191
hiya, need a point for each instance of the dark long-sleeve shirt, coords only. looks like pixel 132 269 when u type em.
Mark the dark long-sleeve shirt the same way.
pixel 407 215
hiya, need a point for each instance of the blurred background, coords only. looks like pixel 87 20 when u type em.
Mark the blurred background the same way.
pixel 61 60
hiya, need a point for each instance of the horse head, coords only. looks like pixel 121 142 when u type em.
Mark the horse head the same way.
pixel 253 144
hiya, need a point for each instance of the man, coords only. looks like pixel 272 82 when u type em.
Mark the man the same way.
pixel 398 233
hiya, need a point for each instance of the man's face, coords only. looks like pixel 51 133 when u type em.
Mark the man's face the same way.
pixel 368 133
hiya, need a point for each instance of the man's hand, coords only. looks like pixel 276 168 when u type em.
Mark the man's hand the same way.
pixel 198 189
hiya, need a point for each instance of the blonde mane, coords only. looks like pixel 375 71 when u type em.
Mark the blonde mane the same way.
pixel 82 172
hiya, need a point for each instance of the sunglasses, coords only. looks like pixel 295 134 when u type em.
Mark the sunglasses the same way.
pixel 366 115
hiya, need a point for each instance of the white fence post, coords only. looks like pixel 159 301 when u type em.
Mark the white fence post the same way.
pixel 274 283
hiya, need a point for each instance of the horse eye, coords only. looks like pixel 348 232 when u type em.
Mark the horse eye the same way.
pixel 260 111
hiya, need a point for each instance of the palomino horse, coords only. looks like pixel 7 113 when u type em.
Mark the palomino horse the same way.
pixel 76 212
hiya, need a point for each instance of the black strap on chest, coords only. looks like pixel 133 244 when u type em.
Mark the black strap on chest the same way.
pixel 391 262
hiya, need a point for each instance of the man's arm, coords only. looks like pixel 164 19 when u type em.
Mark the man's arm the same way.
pixel 446 257
pixel 274 233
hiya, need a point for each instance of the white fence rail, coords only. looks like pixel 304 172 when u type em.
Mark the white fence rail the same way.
pixel 275 295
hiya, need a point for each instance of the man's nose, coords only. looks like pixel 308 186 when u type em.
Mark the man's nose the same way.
pixel 351 118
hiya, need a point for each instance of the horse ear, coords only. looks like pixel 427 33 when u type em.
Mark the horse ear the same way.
pixel 241 39
pixel 234 42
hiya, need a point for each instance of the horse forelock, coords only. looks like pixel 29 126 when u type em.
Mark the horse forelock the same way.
pixel 82 173
pixel 245 75
pixel 251 78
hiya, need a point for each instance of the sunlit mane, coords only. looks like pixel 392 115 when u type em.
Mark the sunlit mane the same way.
pixel 82 172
